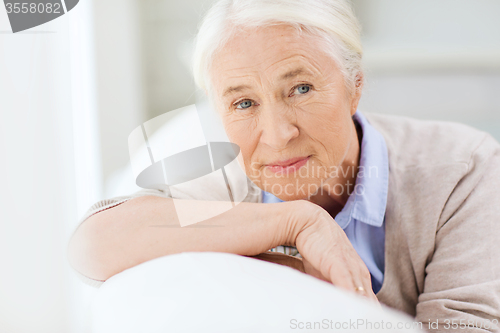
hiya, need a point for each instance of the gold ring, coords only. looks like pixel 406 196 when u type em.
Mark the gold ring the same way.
pixel 359 288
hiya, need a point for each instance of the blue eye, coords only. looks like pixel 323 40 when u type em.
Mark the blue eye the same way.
pixel 302 89
pixel 245 104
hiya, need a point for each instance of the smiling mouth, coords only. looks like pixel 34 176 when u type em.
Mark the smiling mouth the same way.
pixel 288 166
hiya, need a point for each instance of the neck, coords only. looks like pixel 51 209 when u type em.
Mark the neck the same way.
pixel 331 198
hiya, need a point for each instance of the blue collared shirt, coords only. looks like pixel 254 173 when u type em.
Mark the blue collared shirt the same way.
pixel 362 217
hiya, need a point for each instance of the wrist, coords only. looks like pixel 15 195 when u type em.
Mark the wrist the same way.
pixel 296 217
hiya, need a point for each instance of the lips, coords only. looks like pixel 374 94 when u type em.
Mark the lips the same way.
pixel 288 166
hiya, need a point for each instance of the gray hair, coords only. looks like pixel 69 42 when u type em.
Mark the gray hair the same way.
pixel 332 20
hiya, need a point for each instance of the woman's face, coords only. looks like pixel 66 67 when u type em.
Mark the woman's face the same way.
pixel 283 100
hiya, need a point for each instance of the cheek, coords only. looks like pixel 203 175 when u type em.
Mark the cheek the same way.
pixel 327 125
pixel 244 134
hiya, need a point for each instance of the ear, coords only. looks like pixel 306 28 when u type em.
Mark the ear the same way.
pixel 356 95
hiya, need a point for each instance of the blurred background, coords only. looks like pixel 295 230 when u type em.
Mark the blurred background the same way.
pixel 72 90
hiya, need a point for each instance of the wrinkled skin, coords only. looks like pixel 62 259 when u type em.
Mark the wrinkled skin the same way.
pixel 307 113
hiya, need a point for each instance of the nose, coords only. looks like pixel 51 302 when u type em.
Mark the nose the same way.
pixel 278 127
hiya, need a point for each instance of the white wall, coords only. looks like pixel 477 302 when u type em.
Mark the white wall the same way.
pixel 38 191
pixel 433 59
pixel 119 78
pixel 49 169
pixel 168 29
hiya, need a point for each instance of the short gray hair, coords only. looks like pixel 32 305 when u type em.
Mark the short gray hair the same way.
pixel 332 20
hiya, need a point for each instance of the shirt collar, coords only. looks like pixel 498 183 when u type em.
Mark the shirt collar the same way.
pixel 368 202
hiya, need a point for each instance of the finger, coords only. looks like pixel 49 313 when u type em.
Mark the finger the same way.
pixel 362 282
pixel 360 289
pixel 369 295
pixel 365 288
pixel 352 279
pixel 309 269
pixel 341 276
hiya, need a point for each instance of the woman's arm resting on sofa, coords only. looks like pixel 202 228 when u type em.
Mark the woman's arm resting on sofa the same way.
pixel 145 228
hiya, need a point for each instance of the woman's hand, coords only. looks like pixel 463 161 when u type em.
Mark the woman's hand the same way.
pixel 326 251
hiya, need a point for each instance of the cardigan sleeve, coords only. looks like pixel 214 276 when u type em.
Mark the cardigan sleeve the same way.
pixel 462 282
pixel 107 204
pixel 112 202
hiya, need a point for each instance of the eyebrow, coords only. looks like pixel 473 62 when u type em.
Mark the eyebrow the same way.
pixel 288 75
pixel 235 89
pixel 293 73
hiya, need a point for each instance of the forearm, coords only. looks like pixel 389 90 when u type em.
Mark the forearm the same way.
pixel 147 227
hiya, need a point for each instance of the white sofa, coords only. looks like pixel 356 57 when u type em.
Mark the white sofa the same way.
pixel 219 292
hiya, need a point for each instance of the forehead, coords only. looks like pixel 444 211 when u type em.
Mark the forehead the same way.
pixel 269 51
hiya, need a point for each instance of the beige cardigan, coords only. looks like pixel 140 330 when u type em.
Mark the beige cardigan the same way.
pixel 442 253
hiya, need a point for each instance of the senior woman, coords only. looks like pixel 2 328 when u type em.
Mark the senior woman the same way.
pixel 399 210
